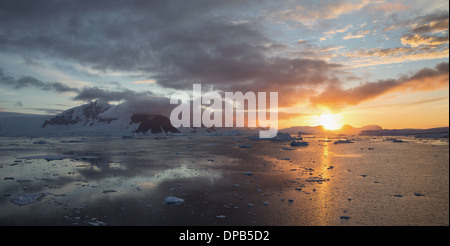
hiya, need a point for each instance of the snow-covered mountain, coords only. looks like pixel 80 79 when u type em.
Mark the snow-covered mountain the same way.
pixel 100 118
pixel 85 115
pixel 95 118
pixel 103 119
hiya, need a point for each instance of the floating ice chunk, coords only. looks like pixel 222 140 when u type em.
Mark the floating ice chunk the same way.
pixel 23 180
pixel 287 148
pixel 282 137
pixel 299 143
pixel 96 222
pixel 316 180
pixel 397 141
pixel 24 199
pixel 171 200
pixel 231 133
pixel 41 142
pixel 245 146
pixel 343 141
pixel 46 157
pixel 109 191
pixel 73 141
pixel 86 158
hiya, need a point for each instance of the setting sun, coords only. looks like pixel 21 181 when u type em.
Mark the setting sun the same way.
pixel 329 121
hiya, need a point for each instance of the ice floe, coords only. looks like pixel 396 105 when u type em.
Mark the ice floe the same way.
pixel 171 200
pixel 46 157
pixel 24 199
pixel 245 146
pixel 299 143
pixel 41 142
pixel 343 141
pixel 109 191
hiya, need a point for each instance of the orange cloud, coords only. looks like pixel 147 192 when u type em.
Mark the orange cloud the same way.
pixel 375 56
pixel 390 7
pixel 418 40
pixel 150 81
pixel 334 97
pixel 308 15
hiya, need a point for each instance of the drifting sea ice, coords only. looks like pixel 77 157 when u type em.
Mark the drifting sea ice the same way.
pixel 24 199
pixel 171 200
pixel 46 157
pixel 245 146
pixel 41 142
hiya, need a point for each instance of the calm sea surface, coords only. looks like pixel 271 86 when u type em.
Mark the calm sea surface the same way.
pixel 223 181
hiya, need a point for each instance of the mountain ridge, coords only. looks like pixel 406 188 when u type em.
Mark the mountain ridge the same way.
pixel 102 118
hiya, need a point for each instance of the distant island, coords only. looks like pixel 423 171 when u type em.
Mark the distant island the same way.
pixel 371 130
pixel 101 118
pixel 346 130
pixel 439 132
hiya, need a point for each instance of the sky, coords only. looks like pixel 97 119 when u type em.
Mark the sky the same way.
pixel 350 62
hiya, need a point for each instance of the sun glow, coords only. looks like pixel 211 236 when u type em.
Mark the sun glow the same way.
pixel 329 121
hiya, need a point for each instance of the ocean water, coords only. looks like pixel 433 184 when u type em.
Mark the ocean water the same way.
pixel 223 180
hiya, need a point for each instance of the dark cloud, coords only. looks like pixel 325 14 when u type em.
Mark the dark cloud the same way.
pixel 94 93
pixel 144 104
pixel 178 43
pixel 434 22
pixel 425 79
pixel 84 94
pixel 28 81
